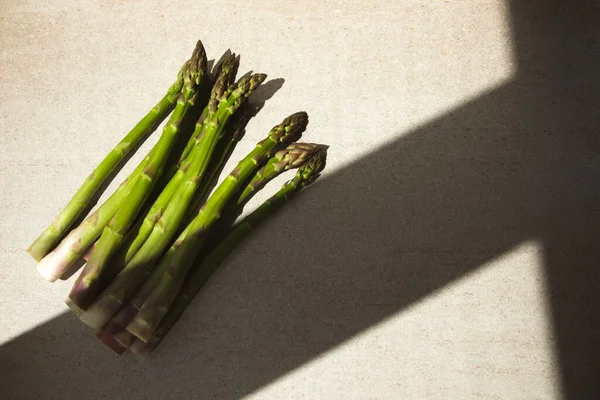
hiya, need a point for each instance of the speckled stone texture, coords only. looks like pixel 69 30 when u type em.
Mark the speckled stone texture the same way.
pixel 450 251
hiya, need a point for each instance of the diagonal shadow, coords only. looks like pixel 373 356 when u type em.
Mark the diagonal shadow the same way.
pixel 520 162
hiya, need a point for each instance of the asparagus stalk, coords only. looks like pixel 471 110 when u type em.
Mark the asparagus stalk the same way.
pixel 92 275
pixel 107 336
pixel 293 156
pixel 51 236
pixel 179 258
pixel 225 148
pixel 140 266
pixel 115 328
pixel 307 174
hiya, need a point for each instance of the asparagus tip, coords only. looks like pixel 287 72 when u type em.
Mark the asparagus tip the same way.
pixel 246 86
pixel 223 83
pixel 295 155
pixel 312 168
pixel 291 128
pixel 197 65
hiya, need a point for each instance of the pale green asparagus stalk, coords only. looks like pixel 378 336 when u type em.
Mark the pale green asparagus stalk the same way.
pixel 179 258
pixel 307 174
pixel 52 235
pixel 77 242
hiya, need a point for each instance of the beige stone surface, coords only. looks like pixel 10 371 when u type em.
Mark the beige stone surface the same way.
pixel 450 250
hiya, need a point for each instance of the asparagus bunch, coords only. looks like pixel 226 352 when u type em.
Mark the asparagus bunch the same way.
pixel 125 284
pixel 151 246
pixel 164 219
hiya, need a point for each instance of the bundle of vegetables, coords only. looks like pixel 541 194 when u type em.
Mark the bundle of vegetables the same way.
pixel 152 245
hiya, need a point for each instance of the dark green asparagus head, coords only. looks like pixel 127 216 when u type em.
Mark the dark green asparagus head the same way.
pixel 196 68
pixel 240 92
pixel 225 77
pixel 290 129
pixel 312 167
pixel 293 156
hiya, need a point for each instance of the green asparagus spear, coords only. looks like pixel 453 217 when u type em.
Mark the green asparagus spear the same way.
pixel 180 256
pixel 91 277
pixel 225 148
pixel 307 174
pixel 51 236
pixel 291 157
